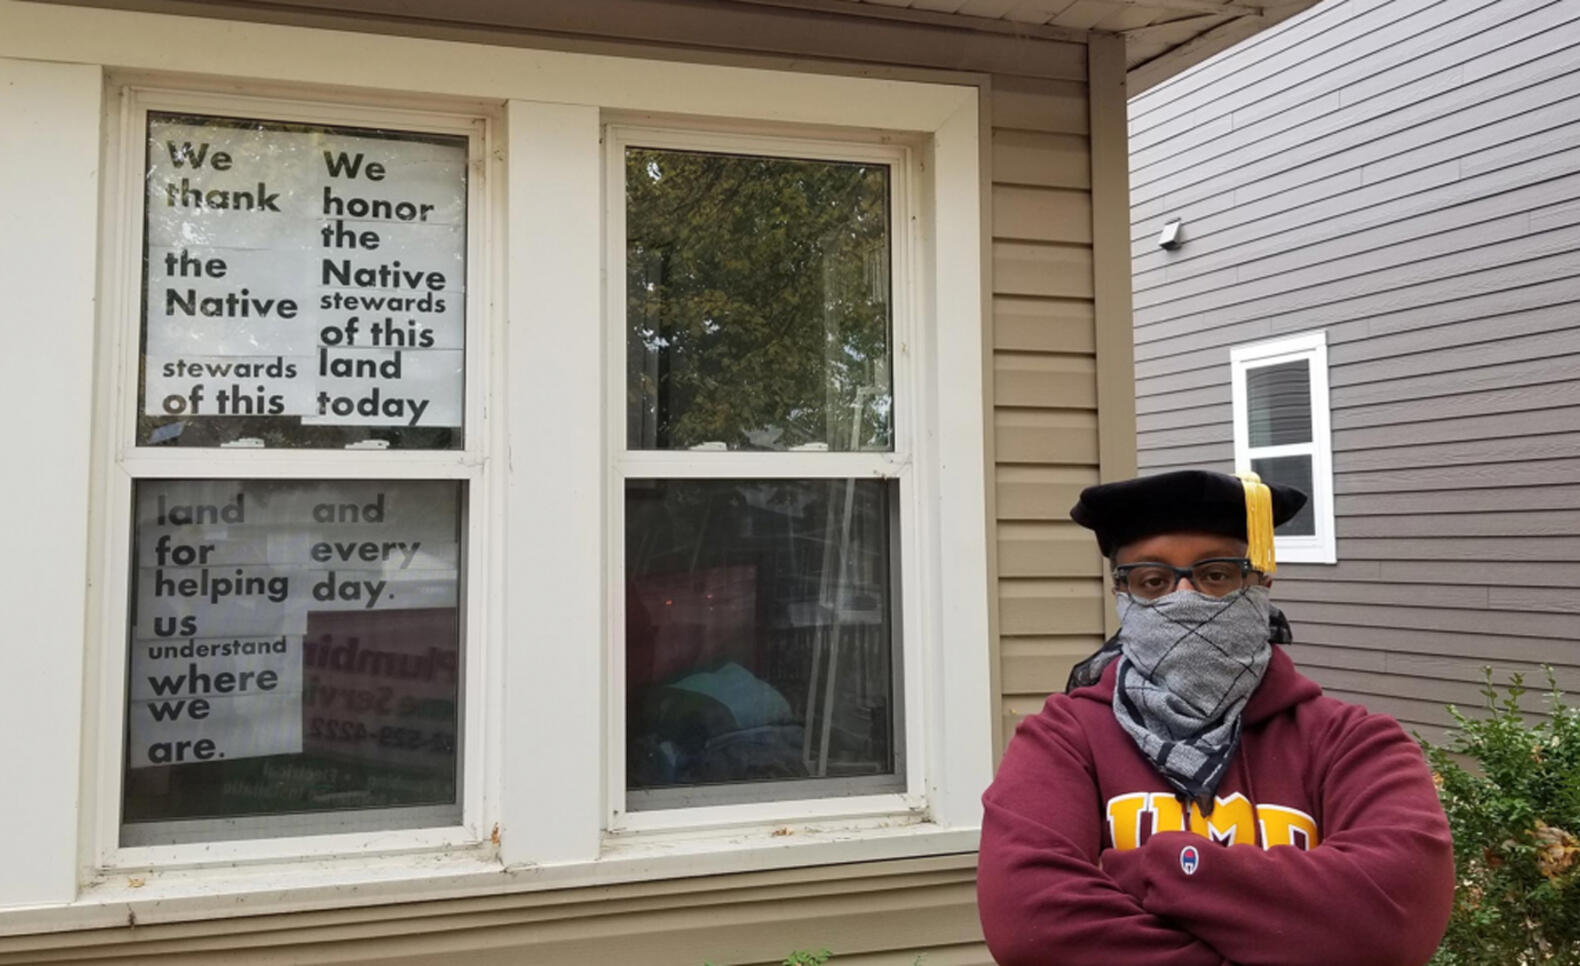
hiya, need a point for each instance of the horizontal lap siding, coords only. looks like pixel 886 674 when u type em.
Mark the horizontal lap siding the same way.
pixel 884 914
pixel 1045 426
pixel 1404 179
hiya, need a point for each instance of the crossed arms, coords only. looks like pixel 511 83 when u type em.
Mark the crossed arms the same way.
pixel 1376 892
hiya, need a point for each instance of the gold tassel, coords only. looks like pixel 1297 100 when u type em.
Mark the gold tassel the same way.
pixel 1258 522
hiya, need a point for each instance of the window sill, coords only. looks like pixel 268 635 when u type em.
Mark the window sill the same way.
pixel 318 884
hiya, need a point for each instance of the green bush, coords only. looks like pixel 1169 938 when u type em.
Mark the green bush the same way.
pixel 1515 815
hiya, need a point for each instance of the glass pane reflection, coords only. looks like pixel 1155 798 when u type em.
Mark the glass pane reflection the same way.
pixel 757 303
pixel 1279 403
pixel 321 310
pixel 759 632
pixel 295 651
pixel 1292 471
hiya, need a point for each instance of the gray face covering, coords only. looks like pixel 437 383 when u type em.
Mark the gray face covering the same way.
pixel 1188 664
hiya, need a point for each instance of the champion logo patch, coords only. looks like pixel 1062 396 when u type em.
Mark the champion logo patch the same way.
pixel 1189 859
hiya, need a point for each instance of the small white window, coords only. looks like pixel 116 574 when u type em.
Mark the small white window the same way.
pixel 1281 433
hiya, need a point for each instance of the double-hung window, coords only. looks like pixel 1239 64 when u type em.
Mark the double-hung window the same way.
pixel 765 418
pixel 300 459
pixel 1281 432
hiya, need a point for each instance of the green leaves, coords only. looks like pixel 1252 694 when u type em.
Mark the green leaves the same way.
pixel 1509 781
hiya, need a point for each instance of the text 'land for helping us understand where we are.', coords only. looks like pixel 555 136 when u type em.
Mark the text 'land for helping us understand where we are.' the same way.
pixel 269 614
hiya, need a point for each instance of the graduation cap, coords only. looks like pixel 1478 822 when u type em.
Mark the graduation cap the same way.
pixel 1196 501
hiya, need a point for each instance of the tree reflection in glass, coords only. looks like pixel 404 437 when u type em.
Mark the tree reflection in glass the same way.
pixel 757 303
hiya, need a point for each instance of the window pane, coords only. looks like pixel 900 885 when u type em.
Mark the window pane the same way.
pixel 1292 471
pixel 303 285
pixel 295 649
pixel 760 630
pixel 1279 403
pixel 757 303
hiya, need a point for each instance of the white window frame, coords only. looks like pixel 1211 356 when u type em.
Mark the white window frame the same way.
pixel 122 328
pixel 1320 547
pixel 908 344
pixel 537 813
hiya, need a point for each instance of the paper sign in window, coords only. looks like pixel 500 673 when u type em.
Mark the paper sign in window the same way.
pixel 304 285
pixel 295 646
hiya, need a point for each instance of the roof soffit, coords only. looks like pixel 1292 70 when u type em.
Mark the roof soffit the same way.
pixel 1163 37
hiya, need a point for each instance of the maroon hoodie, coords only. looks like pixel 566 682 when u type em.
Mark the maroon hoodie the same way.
pixel 1326 846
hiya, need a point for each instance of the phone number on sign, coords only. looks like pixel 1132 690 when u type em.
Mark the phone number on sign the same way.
pixel 388 736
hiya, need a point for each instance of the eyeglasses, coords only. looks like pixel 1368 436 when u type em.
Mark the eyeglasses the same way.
pixel 1215 577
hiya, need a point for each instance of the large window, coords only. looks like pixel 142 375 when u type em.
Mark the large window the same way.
pixel 1281 433
pixel 296 653
pixel 550 473
pixel 763 468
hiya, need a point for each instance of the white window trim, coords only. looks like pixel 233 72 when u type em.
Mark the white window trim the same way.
pixel 522 831
pixel 1311 347
pixel 575 593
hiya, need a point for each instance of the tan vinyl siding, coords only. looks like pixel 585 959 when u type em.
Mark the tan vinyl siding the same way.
pixel 1053 360
pixel 887 912
pixel 1042 269
pixel 1403 179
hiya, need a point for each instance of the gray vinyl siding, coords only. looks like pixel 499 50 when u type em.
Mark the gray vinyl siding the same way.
pixel 1405 176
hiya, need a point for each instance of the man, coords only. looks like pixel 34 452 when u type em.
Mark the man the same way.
pixel 1192 799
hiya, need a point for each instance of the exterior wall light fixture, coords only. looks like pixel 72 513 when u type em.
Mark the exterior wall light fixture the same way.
pixel 1172 236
